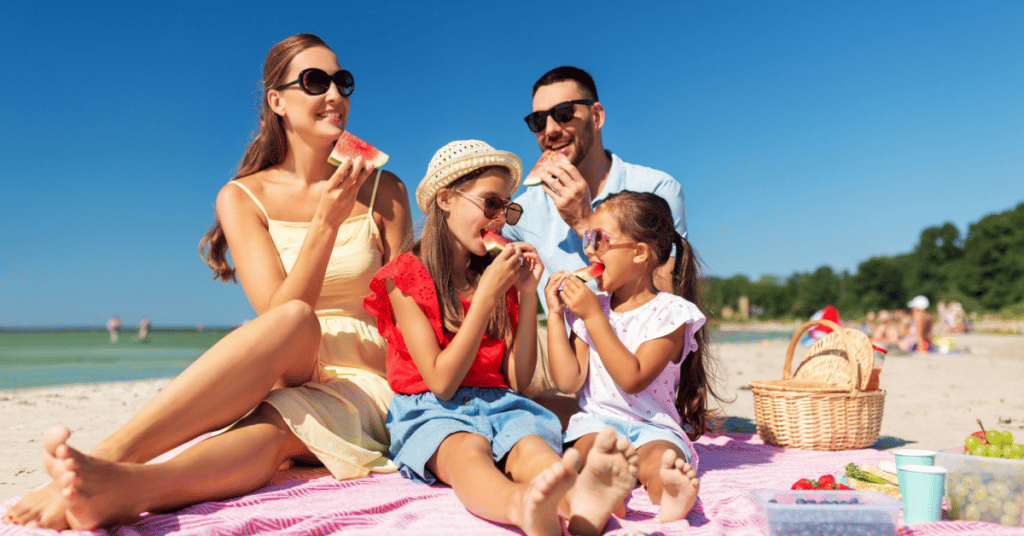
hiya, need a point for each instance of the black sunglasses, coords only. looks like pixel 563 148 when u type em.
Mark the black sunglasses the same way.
pixel 494 206
pixel 561 113
pixel 316 82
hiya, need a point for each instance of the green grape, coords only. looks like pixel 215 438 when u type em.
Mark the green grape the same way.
pixel 960 491
pixel 971 480
pixel 994 451
pixel 971 442
pixel 994 438
pixel 1018 450
pixel 998 489
pixel 1012 508
pixel 972 512
pixel 1008 520
pixel 980 450
pixel 1007 451
pixel 979 495
pixel 1006 437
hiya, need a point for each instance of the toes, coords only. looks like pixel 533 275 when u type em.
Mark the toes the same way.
pixel 606 440
pixel 572 460
pixel 54 437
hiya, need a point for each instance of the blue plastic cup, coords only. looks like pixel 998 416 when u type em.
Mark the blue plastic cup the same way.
pixel 914 457
pixel 922 487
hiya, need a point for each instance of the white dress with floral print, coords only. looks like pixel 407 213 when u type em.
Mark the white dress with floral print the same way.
pixel 656 404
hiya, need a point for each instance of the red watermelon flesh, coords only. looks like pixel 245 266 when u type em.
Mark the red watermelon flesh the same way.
pixel 349 146
pixel 495 243
pixel 536 176
pixel 590 272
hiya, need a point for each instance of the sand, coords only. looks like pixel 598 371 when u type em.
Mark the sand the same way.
pixel 932 401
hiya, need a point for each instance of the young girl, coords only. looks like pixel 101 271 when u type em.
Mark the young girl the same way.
pixel 640 355
pixel 458 352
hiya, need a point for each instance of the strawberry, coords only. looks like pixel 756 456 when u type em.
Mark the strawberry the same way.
pixel 844 487
pixel 829 486
pixel 824 480
pixel 803 484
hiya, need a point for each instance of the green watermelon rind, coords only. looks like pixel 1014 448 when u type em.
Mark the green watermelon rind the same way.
pixel 494 242
pixel 533 179
pixel 349 146
pixel 586 274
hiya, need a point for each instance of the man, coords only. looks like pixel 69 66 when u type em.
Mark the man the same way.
pixel 567 118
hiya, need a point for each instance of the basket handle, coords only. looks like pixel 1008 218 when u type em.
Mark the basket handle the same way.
pixel 787 367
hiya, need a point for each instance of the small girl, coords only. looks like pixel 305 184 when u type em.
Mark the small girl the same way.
pixel 640 355
pixel 458 352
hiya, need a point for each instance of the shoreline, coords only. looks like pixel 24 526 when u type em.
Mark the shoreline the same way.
pixel 932 400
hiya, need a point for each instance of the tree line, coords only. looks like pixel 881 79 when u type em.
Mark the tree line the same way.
pixel 983 270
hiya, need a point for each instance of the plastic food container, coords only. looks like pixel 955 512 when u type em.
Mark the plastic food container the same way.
pixel 979 488
pixel 827 513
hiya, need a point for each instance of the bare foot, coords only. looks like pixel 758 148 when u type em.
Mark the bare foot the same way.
pixel 45 507
pixel 543 495
pixel 679 487
pixel 608 477
pixel 98 492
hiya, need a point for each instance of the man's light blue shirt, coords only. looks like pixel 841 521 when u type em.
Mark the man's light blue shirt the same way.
pixel 559 247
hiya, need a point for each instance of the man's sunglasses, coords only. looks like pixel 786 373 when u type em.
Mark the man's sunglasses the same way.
pixel 600 240
pixel 561 113
pixel 496 206
pixel 316 82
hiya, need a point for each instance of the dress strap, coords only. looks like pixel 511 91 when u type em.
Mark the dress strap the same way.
pixel 248 191
pixel 376 182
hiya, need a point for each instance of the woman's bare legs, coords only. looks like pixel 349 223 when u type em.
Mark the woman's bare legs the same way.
pixel 670 481
pixel 233 463
pixel 530 496
pixel 278 348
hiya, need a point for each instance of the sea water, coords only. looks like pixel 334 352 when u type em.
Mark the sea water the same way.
pixel 36 358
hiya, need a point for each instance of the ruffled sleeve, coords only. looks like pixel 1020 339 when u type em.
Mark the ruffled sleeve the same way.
pixel 412 278
pixel 671 312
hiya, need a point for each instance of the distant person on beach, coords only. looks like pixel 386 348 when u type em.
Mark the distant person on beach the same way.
pixel 113 325
pixel 144 329
pixel 918 335
pixel 567 118
pixel 886 333
pixel 307 374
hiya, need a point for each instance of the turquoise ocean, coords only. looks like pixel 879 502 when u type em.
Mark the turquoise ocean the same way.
pixel 44 357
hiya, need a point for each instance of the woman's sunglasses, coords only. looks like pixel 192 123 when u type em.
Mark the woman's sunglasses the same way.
pixel 561 113
pixel 316 82
pixel 496 206
pixel 600 240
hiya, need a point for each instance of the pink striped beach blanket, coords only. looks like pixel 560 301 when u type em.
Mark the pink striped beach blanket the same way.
pixel 303 501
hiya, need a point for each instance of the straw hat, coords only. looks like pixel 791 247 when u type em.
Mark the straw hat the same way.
pixel 459 158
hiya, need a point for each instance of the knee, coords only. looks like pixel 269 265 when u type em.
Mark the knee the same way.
pixel 301 319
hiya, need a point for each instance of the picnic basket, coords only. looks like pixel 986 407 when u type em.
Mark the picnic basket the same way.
pixel 825 404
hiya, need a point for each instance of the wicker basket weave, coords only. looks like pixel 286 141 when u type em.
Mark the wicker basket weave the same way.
pixel 822 407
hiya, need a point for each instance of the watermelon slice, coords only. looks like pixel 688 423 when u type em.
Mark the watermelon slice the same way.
pixel 589 273
pixel 495 243
pixel 536 177
pixel 349 146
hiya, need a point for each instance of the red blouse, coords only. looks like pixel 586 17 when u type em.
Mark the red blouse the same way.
pixel 412 278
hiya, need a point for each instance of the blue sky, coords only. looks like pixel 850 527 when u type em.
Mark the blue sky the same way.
pixel 803 133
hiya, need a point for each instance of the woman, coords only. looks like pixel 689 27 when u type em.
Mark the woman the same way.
pixel 306 238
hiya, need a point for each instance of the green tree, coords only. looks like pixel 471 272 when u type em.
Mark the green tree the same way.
pixel 993 260
pixel 879 284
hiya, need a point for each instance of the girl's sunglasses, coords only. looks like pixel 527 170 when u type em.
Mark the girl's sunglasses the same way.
pixel 496 206
pixel 600 240
pixel 561 113
pixel 316 82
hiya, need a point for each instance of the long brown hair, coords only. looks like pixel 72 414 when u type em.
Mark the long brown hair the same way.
pixel 647 218
pixel 268 148
pixel 435 249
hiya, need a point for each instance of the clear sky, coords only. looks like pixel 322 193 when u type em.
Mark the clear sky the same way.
pixel 803 133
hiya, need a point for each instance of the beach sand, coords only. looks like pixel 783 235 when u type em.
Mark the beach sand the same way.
pixel 932 401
